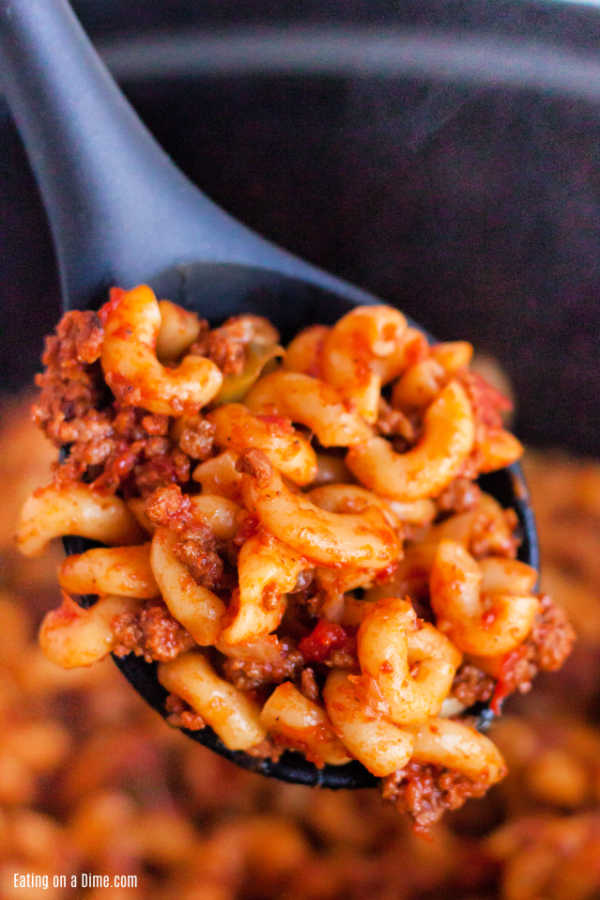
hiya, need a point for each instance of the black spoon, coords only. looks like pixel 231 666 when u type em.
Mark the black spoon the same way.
pixel 122 213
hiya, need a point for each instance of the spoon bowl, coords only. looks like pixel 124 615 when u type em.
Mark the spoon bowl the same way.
pixel 121 213
pixel 508 486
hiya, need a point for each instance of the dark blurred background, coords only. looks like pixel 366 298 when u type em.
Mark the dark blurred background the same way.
pixel 443 155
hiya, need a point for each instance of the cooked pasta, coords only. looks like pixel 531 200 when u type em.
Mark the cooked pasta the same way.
pixel 300 545
pixel 91 781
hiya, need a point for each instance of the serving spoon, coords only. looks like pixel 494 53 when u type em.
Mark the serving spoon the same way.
pixel 122 213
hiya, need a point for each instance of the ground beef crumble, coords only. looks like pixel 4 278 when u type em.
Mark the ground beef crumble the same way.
pixel 250 674
pixel 460 496
pixel 552 636
pixel 226 346
pixel 173 466
pixel 197 438
pixel 546 649
pixel 112 444
pixel 266 749
pixel 151 632
pixel 121 449
pixel 71 385
pixel 180 715
pixel 197 547
pixel 425 792
pixel 168 507
pixel 471 685
pixel 255 463
pixel 488 540
pixel 395 423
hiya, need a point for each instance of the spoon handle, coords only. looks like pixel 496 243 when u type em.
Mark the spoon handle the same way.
pixel 119 209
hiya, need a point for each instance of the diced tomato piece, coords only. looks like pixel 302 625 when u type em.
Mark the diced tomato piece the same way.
pixel 115 297
pixel 506 682
pixel 325 637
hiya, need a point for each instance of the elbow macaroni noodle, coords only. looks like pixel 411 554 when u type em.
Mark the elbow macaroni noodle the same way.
pixel 229 712
pixel 456 745
pixel 311 402
pixel 71 636
pixel 131 367
pixel 356 349
pixel 264 565
pixel 178 331
pixel 379 744
pixel 429 467
pixel 296 721
pixel 237 429
pixel 363 540
pixel 125 571
pixel 305 540
pixel 391 641
pixel 219 475
pixel 194 606
pixel 485 623
pixel 52 512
